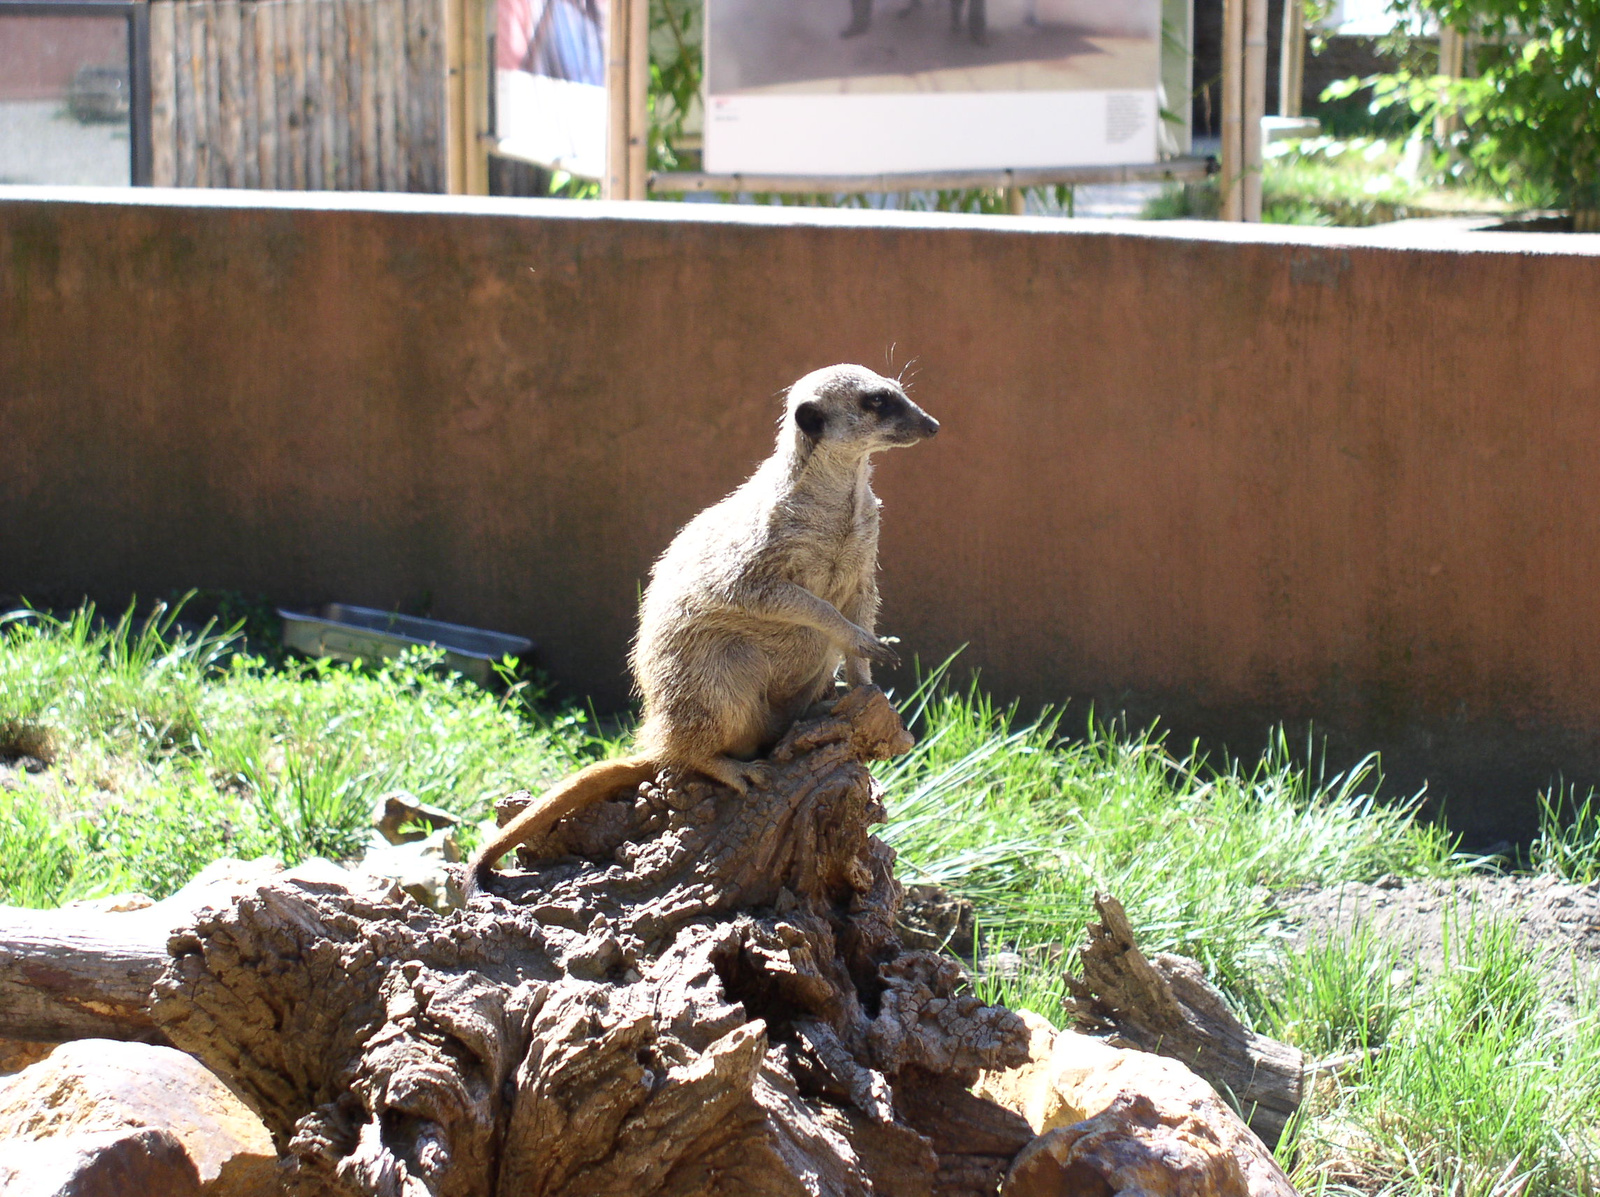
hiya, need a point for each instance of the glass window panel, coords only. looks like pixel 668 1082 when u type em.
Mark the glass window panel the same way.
pixel 64 112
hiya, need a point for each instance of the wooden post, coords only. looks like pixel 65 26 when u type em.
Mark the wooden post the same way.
pixel 390 79
pixel 363 38
pixel 618 24
pixel 345 139
pixel 203 49
pixel 455 97
pixel 294 38
pixel 1255 106
pixel 467 96
pixel 476 113
pixel 163 100
pixel 311 49
pixel 329 118
pixel 1292 60
pixel 229 134
pixel 638 98
pixel 1232 109
pixel 1016 201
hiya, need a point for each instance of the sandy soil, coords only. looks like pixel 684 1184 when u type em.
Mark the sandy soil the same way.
pixel 1558 919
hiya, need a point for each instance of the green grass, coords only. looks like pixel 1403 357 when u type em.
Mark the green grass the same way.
pixel 1354 181
pixel 1568 844
pixel 1339 998
pixel 166 751
pixel 1329 181
pixel 162 748
pixel 1029 826
pixel 1472 1088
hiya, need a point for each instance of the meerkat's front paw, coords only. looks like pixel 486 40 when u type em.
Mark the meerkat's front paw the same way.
pixel 878 651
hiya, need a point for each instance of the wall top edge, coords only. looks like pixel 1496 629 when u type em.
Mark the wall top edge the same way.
pixel 1452 235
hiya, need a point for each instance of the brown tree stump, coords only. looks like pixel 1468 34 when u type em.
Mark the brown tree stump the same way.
pixel 691 993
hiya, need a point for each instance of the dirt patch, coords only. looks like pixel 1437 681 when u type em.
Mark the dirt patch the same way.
pixel 22 741
pixel 1560 920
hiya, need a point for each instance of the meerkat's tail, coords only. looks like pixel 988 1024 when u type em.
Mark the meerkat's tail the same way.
pixel 584 788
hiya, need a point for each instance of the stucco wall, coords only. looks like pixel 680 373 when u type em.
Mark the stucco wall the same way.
pixel 1223 476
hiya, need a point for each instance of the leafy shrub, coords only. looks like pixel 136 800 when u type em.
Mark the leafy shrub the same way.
pixel 1531 118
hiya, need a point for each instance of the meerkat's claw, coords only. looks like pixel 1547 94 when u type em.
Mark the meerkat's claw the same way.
pixel 879 653
pixel 738 775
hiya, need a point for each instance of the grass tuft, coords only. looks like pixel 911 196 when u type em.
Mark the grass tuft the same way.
pixel 169 748
pixel 1339 999
pixel 1568 844
pixel 1029 826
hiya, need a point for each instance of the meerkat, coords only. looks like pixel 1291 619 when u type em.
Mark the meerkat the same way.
pixel 755 603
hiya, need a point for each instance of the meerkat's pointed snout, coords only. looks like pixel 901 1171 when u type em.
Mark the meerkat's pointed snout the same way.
pixel 916 424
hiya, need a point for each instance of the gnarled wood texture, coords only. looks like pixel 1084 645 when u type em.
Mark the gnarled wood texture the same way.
pixel 1163 1004
pixel 689 993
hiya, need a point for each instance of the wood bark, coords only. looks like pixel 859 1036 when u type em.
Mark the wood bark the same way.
pixel 1163 1004
pixel 87 971
pixel 76 977
pixel 689 992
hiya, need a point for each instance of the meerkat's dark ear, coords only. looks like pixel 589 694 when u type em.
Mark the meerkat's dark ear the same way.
pixel 811 419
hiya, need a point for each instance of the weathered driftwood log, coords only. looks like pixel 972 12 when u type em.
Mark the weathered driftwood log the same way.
pixel 84 973
pixel 1163 1004
pixel 71 976
pixel 690 993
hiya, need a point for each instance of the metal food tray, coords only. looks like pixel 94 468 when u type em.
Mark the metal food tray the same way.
pixel 347 633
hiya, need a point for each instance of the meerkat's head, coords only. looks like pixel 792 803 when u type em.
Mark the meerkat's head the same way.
pixel 855 410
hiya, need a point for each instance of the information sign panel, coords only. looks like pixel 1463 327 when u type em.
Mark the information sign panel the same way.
pixel 856 87
pixel 550 83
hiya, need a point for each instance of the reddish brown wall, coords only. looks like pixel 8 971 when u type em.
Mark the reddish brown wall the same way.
pixel 1226 477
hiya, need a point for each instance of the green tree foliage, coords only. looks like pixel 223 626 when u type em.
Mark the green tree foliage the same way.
pixel 1530 119
pixel 676 30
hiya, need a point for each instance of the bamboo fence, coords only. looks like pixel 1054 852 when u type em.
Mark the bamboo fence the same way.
pixel 345 95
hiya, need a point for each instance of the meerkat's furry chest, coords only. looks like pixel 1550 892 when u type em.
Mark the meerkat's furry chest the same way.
pixel 830 547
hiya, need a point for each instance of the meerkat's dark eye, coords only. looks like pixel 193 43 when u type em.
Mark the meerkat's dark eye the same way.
pixel 878 402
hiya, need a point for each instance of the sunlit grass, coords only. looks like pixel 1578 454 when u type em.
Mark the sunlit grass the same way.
pixel 1472 1087
pixel 1568 844
pixel 166 751
pixel 1028 826
pixel 161 748
pixel 1350 181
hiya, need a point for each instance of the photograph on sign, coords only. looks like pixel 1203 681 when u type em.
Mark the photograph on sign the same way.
pixel 862 87
pixel 550 83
